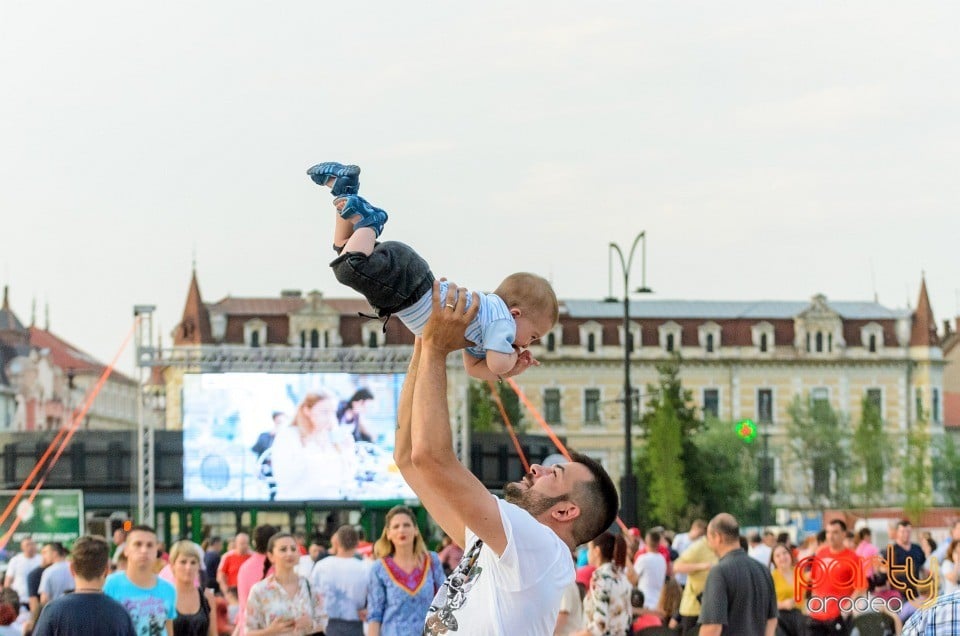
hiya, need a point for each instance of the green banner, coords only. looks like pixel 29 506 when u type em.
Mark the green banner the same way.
pixel 53 515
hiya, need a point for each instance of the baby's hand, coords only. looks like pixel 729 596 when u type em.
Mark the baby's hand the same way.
pixel 525 360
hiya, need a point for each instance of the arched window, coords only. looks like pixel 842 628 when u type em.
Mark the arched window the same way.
pixel 808 342
pixel 709 343
pixel 830 342
pixel 314 339
pixel 591 343
pixel 326 339
pixel 303 339
pixel 670 342
pixel 372 339
pixel 873 343
pixel 551 342
pixel 255 339
pixel 763 343
pixel 819 342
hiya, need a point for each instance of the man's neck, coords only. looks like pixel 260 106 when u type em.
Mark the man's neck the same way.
pixel 142 577
pixel 726 548
pixel 905 546
pixel 88 586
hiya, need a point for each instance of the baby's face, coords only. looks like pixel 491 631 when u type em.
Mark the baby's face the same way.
pixel 529 331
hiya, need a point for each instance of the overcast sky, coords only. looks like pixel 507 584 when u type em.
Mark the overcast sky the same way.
pixel 770 150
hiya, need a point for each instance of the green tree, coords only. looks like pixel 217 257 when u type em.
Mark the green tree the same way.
pixel 819 445
pixel 668 424
pixel 483 412
pixel 917 469
pixel 725 471
pixel 872 453
pixel 668 497
pixel 946 468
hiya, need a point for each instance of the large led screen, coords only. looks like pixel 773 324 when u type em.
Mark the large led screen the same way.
pixel 290 437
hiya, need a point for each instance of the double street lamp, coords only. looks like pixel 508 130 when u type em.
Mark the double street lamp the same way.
pixel 628 483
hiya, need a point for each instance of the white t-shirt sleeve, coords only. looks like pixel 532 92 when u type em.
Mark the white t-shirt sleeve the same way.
pixel 532 550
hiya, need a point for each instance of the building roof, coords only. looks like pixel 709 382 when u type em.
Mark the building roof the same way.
pixel 8 319
pixel 924 333
pixel 68 357
pixel 725 309
pixel 283 306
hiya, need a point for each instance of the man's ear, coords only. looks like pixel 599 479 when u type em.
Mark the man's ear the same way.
pixel 565 511
pixel 515 312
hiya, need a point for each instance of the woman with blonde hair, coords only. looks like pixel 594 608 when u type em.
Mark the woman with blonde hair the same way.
pixel 403 580
pixel 194 615
pixel 283 603
pixel 310 458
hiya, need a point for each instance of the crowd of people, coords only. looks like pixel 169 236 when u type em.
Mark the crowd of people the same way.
pixel 707 580
pixel 711 578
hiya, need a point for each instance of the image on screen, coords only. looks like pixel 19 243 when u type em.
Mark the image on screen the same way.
pixel 291 437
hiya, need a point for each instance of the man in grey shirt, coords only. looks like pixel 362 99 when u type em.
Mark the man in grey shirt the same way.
pixel 739 597
pixel 56 580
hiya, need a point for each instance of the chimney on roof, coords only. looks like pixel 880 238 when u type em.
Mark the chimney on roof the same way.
pixel 6 297
pixel 290 293
pixel 946 328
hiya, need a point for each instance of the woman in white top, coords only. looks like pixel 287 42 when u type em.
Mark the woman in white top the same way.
pixel 283 603
pixel 949 570
pixel 311 459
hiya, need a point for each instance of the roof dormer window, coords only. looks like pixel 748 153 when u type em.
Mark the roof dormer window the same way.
pixel 709 335
pixel 670 340
pixel 591 336
pixel 255 333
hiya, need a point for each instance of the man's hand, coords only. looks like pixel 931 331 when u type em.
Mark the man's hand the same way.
pixel 525 360
pixel 444 331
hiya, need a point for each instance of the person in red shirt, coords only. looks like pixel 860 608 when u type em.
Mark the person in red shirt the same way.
pixel 232 560
pixel 834 573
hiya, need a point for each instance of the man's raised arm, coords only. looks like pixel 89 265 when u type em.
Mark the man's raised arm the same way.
pixel 451 494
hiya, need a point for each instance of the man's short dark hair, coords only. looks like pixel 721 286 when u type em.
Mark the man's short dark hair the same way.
pixel 597 499
pixel 57 547
pixel 90 556
pixel 838 522
pixel 904 523
pixel 142 527
pixel 347 536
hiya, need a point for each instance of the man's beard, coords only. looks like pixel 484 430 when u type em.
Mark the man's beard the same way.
pixel 533 502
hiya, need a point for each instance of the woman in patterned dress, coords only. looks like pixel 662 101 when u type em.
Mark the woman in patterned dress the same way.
pixel 283 603
pixel 606 608
pixel 404 579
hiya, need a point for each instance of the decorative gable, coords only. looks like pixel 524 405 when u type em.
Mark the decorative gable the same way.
pixel 818 329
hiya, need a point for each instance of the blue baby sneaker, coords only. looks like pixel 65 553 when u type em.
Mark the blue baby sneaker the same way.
pixel 370 216
pixel 347 177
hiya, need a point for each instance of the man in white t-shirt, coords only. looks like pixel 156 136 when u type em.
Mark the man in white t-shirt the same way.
pixel 342 580
pixel 651 570
pixel 22 564
pixel 516 561
pixel 56 580
pixel 758 550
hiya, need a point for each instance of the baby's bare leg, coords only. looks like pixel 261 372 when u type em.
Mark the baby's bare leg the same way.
pixel 342 231
pixel 362 240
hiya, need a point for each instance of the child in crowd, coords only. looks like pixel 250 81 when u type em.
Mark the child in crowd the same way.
pixel 396 280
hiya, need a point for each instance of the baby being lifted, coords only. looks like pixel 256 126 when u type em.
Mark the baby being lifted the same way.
pixel 396 280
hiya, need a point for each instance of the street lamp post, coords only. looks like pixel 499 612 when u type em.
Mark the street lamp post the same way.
pixel 628 483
